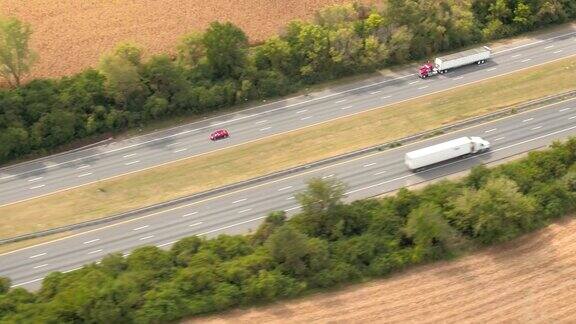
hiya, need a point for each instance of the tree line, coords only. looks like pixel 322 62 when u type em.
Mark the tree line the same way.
pixel 218 68
pixel 329 243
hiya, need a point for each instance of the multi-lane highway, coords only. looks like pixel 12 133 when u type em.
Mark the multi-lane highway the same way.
pixel 61 172
pixel 241 210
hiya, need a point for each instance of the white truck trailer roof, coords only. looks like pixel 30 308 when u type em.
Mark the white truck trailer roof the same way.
pixel 462 58
pixel 449 145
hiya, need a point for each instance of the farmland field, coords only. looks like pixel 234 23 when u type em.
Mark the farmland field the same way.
pixel 71 35
pixel 529 280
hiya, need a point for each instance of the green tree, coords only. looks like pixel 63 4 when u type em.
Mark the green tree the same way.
pixel 478 177
pixel 163 77
pixel 123 79
pixel 53 129
pixel 226 49
pixel 427 227
pixel 321 203
pixel 129 52
pixel 184 249
pixel 5 284
pixel 321 196
pixel 16 57
pixel 273 221
pixel 227 247
pixel 399 45
pixel 270 285
pixel 13 142
pixel 150 260
pixel 499 11
pixel 495 213
pixel 295 252
pixel 523 17
pixel 164 304
pixel 274 54
pixel 191 50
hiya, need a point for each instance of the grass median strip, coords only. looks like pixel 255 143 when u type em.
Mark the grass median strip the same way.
pixel 279 152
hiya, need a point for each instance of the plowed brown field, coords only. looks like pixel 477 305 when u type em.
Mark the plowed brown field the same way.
pixel 530 280
pixel 72 34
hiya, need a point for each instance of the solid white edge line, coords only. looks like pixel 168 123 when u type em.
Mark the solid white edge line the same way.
pixel 26 282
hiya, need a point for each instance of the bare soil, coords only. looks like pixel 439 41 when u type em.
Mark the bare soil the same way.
pixel 71 35
pixel 529 280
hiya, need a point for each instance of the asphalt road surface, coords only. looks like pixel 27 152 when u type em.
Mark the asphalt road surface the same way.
pixel 242 210
pixel 65 171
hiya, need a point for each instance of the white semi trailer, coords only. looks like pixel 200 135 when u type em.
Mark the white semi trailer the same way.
pixel 423 157
pixel 444 63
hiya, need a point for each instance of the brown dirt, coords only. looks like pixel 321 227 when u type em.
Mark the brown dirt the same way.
pixel 71 34
pixel 530 280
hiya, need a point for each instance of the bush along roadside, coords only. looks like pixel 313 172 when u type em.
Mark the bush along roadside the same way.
pixel 328 244
pixel 218 68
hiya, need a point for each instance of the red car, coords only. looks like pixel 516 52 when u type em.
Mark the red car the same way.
pixel 219 134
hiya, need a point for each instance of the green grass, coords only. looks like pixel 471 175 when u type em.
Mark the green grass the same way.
pixel 283 151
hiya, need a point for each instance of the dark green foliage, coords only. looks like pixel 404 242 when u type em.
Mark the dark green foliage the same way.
pixel 271 223
pixel 183 250
pixel 495 213
pixel 226 49
pixel 429 231
pixel 5 284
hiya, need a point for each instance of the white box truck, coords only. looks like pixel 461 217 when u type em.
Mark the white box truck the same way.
pixel 444 63
pixel 418 159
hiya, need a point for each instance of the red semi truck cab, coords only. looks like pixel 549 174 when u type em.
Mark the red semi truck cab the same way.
pixel 426 70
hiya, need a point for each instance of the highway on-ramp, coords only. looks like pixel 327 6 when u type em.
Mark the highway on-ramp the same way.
pixel 243 209
pixel 60 172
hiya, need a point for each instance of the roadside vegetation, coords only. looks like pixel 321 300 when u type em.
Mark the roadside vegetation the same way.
pixel 250 160
pixel 218 69
pixel 329 243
